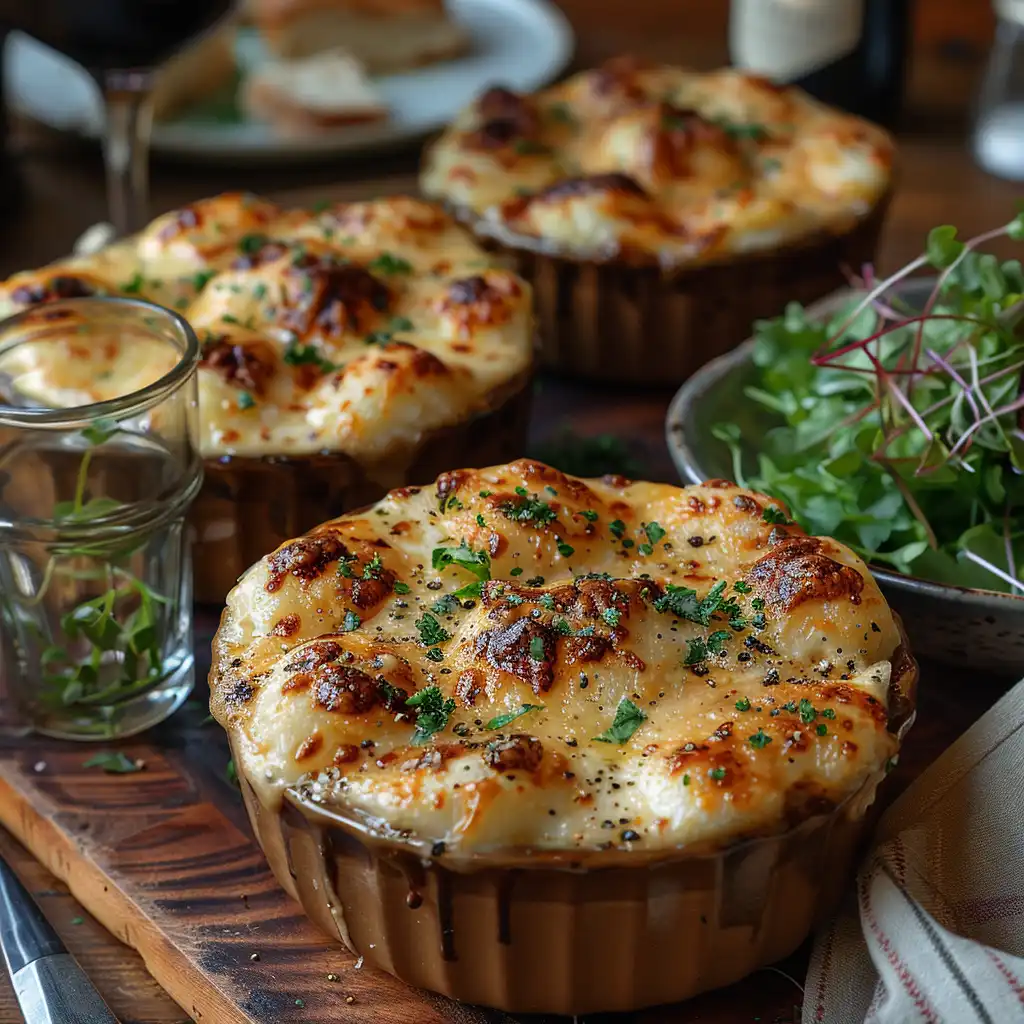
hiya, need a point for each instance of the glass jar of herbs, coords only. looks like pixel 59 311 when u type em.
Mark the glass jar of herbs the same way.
pixel 98 465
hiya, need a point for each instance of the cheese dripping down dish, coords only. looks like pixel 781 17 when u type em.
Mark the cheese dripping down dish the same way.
pixel 514 659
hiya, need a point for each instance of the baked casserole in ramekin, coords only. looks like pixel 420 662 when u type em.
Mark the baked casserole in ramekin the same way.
pixel 346 351
pixel 658 212
pixel 565 746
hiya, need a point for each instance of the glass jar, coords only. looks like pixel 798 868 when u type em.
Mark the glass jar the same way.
pixel 98 465
pixel 998 140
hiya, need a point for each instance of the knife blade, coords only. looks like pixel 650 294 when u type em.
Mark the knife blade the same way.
pixel 49 984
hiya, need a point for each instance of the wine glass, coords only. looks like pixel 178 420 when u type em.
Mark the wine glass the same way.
pixel 121 43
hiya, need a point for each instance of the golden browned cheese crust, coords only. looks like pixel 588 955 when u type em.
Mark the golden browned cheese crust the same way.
pixel 354 328
pixel 514 658
pixel 650 162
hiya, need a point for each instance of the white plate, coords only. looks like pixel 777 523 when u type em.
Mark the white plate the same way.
pixel 521 44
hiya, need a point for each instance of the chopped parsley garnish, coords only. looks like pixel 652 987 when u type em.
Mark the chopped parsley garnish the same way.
pixel 402 588
pixel 741 587
pixel 245 401
pixel 351 621
pixel 133 285
pixel 561 113
pixel 753 131
pixel 480 521
pixel 444 605
pixel 396 324
pixel 433 710
pixel 202 278
pixel 775 516
pixel 527 508
pixel 537 649
pixel 306 355
pixel 743 704
pixel 700 648
pixel 251 244
pixel 684 603
pixel 547 601
pixel 476 562
pixel 611 616
pixel 628 718
pixel 386 263
pixel 654 532
pixel 529 147
pixel 435 654
pixel 617 527
pixel 486 494
pixel 759 739
pixel 821 729
pixel 500 721
pixel 589 514
pixel 535 581
pixel 717 773
pixel 757 603
pixel 431 631
pixel 828 713
pixel 565 550
pixel 517 571
pixel 807 711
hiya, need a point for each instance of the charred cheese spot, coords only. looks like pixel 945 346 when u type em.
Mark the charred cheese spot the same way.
pixel 480 301
pixel 305 559
pixel 249 364
pixel 59 286
pixel 329 298
pixel 525 649
pixel 796 570
pixel 514 753
pixel 343 689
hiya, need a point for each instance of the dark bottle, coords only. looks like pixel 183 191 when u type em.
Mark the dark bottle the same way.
pixel 851 54
pixel 11 186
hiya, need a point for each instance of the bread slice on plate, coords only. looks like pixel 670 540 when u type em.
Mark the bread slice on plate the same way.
pixel 313 94
pixel 385 36
pixel 202 68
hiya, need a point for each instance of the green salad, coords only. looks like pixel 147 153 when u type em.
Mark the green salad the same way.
pixel 900 431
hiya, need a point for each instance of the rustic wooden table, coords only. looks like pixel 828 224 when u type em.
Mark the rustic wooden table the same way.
pixel 939 184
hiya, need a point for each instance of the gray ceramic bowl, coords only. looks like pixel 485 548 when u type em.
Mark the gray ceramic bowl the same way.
pixel 979 629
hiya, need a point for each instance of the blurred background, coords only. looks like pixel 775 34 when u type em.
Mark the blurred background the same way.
pixel 54 179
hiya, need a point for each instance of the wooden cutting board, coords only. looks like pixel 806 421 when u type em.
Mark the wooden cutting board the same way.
pixel 164 858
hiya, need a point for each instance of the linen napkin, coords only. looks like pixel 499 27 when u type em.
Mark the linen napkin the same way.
pixel 934 931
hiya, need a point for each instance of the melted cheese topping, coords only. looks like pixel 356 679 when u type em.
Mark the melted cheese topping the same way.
pixel 657 162
pixel 357 328
pixel 517 658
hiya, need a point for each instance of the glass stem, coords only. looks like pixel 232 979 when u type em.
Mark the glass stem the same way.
pixel 129 113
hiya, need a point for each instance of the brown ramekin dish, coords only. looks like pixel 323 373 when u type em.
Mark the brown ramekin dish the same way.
pixel 636 323
pixel 658 211
pixel 553 932
pixel 249 506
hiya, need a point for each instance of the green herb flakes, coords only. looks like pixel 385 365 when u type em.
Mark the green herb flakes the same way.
pixel 500 721
pixel 759 739
pixel 386 263
pixel 628 718
pixel 114 762
pixel 433 710
pixel 537 649
pixel 431 631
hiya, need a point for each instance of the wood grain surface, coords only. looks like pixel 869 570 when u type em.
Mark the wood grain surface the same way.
pixel 165 857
